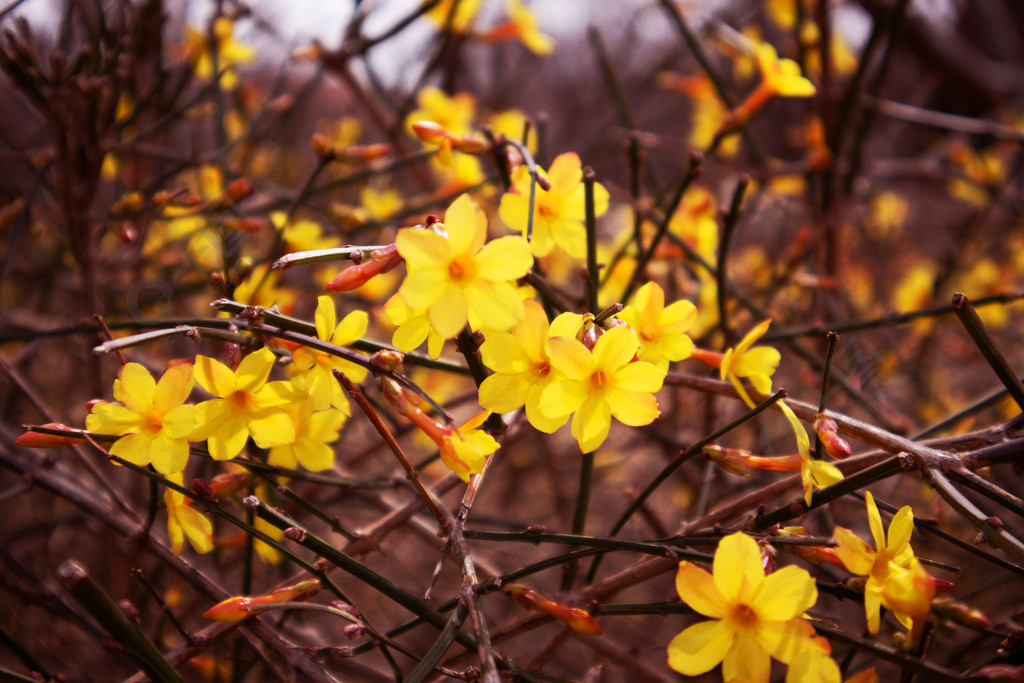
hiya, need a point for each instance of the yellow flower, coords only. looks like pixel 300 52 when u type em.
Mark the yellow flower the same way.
pixel 380 204
pixel 314 369
pixel 599 384
pixel 246 405
pixel 754 617
pixel 511 123
pixel 465 13
pixel 154 418
pixel 895 578
pixel 466 454
pixel 521 364
pixel 301 234
pixel 260 289
pixel 522 24
pixel 813 473
pixel 229 52
pixel 888 214
pixel 185 522
pixel 453 275
pixel 756 363
pixel 661 330
pixel 557 213
pixel 781 77
pixel 191 225
pixel 313 432
pixel 454 113
pixel 413 327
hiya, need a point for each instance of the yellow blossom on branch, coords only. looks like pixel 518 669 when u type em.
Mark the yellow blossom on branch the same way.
pixel 599 384
pixel 314 431
pixel 558 213
pixel 314 370
pixel 779 78
pixel 745 361
pixel 246 405
pixel 229 52
pixel 183 521
pixel 454 274
pixel 895 577
pixel 465 12
pixel 521 25
pixel 661 328
pixel 754 617
pixel 413 327
pixel 154 419
pixel 522 367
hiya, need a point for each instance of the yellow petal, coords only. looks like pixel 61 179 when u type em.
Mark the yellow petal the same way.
pixel 747 660
pixel 275 394
pixel 497 303
pixel 135 387
pixel 168 455
pixel 505 258
pixel 536 417
pixel 900 529
pixel 174 387
pixel 853 552
pixel 110 418
pixel 640 377
pixel 570 236
pixel 570 357
pixel 134 448
pixel 738 571
pixel 421 247
pixel 562 397
pixel 178 422
pixel 448 315
pixel 325 317
pixel 785 594
pixel 197 528
pixel 875 521
pixel 565 172
pixel 466 224
pixel 505 354
pixel 615 348
pixel 254 369
pixel 591 423
pixel 788 640
pixel 271 427
pixel 700 648
pixel 697 589
pixel 503 393
pixel 632 408
pixel 422 287
pixel 514 211
pixel 350 329
pixel 214 376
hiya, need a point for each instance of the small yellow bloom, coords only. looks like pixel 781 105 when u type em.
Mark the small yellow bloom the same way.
pixel 895 577
pixel 889 212
pixel 454 113
pixel 314 370
pixel 597 385
pixel 781 77
pixel 229 52
pixel 465 13
pixel 246 405
pixel 455 274
pixel 413 327
pixel 756 363
pixel 154 417
pixel 522 367
pixel 754 617
pixel 558 213
pixel 185 522
pixel 313 432
pixel 523 25
pixel 661 329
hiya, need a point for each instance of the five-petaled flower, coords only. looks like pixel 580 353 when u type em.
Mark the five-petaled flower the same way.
pixel 600 383
pixel 314 430
pixel 895 577
pixel 779 78
pixel 558 213
pixel 314 369
pixel 154 418
pixel 661 328
pixel 522 368
pixel 246 404
pixel 754 617
pixel 756 363
pixel 455 275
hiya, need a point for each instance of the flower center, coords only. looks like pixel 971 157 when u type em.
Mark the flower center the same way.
pixel 151 422
pixel 743 616
pixel 541 369
pixel 600 379
pixel 462 270
pixel 242 402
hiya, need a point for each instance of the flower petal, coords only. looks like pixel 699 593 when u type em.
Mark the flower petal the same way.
pixel 900 529
pixel 788 640
pixel 271 427
pixel 700 648
pixel 174 387
pixel 423 248
pixel 697 589
pixel 747 660
pixel 591 423
pixel 448 315
pixel 505 258
pixel 570 357
pixel 325 317
pixel 856 555
pixel 504 353
pixel 562 397
pixel 178 422
pixel 350 329
pixel 466 224
pixel 632 408
pixel 254 369
pixel 615 348
pixel 785 594
pixel 168 455
pixel 135 387
pixel 875 521
pixel 503 393
pixel 738 570
pixel 540 421
pixel 134 448
pixel 497 303
pixel 214 376
pixel 639 376
pixel 111 418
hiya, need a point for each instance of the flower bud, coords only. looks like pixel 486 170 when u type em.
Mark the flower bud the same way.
pixel 828 431
pixel 31 439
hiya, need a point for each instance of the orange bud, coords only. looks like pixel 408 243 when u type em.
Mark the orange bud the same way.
pixel 322 146
pixel 230 611
pixel 577 618
pixel 828 431
pixel 362 153
pixel 31 439
pixel 239 607
pixel 961 613
pixel 354 277
pixel 732 460
pixel 238 189
pixel 430 132
pixel 710 358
